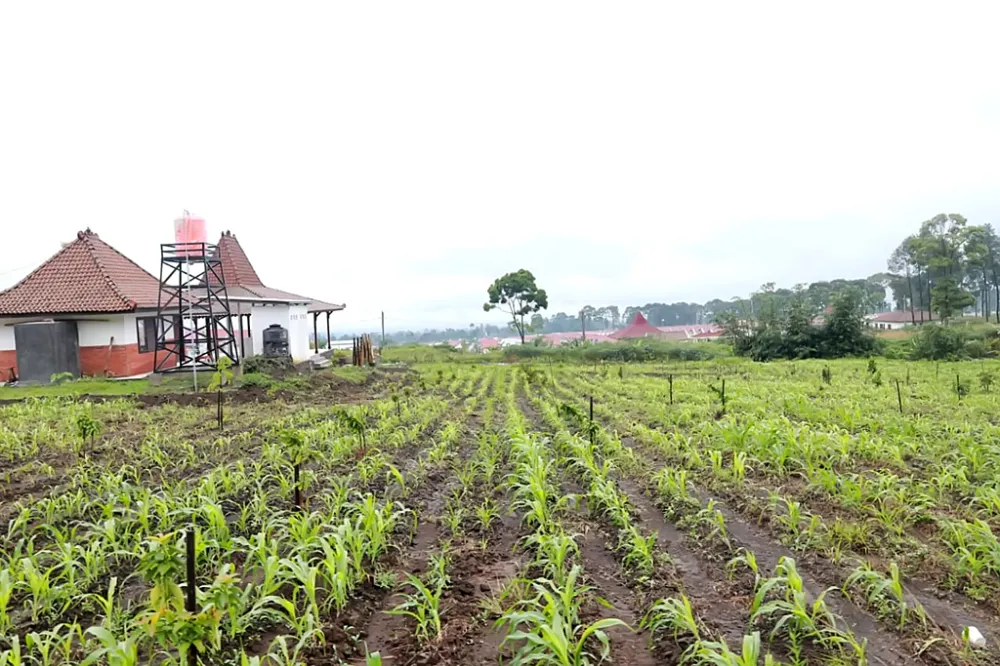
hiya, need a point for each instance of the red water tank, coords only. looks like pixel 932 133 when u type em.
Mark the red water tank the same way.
pixel 190 233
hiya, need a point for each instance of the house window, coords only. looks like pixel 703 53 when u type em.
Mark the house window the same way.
pixel 146 329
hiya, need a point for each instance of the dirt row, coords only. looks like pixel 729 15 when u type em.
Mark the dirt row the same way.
pixel 885 645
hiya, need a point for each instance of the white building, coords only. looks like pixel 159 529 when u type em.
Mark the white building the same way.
pixel 256 307
pixel 106 305
pixel 890 321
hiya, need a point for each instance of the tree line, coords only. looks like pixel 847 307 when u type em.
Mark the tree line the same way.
pixel 948 266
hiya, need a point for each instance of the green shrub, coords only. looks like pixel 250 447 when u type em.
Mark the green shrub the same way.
pixel 256 380
pixel 896 350
pixel 939 343
pixel 266 364
pixel 976 349
pixel 621 352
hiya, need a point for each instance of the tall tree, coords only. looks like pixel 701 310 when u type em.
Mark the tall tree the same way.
pixel 614 315
pixel 993 260
pixel 903 260
pixel 948 298
pixel 518 295
pixel 940 247
pixel 977 253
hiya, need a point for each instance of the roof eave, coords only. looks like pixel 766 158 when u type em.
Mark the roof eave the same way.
pixel 5 315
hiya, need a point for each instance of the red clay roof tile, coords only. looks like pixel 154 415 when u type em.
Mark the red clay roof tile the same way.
pixel 88 275
pixel 236 267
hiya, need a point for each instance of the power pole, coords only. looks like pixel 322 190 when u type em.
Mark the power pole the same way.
pixel 383 329
pixel 583 326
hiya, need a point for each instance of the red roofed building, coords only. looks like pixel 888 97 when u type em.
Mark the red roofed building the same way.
pixel 106 304
pixel 104 293
pixel 255 307
pixel 900 319
pixel 639 328
pixel 488 343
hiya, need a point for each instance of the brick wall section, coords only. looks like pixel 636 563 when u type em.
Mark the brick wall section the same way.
pixel 8 362
pixel 123 361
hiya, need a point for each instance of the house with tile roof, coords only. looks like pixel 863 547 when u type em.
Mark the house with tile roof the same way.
pixel 109 305
pixel 897 319
pixel 256 306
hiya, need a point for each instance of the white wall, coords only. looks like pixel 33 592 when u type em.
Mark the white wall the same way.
pixel 300 328
pixel 262 316
pixel 6 335
pixel 92 331
pixel 99 333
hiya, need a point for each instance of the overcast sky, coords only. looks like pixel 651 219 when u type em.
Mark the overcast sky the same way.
pixel 400 156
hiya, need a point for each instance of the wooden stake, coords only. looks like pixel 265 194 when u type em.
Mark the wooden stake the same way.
pixel 723 396
pixel 192 598
pixel 298 488
pixel 670 378
pixel 899 397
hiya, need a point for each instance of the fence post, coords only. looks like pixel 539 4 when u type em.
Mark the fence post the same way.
pixel 192 590
pixel 298 488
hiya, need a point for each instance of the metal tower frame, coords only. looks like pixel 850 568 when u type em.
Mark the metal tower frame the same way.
pixel 194 325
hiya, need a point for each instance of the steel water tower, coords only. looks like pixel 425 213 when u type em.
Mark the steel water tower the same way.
pixel 194 324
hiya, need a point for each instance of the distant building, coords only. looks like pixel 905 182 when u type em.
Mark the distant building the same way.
pixel 486 344
pixel 639 328
pixel 888 321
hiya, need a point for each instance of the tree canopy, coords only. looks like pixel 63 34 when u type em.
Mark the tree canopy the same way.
pixel 518 295
pixel 947 267
pixel 792 332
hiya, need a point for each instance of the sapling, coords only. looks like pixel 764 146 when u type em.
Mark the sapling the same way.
pixel 222 376
pixel 87 427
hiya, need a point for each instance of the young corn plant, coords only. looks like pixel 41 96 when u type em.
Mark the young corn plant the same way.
pixel 486 514
pixel 639 551
pixel 7 586
pixel 453 517
pixel 712 523
pixel 673 493
pixel 782 602
pixel 554 554
pixel 885 594
pixel 717 653
pixel 424 607
pixel 675 616
pixel 548 629
pixel 112 650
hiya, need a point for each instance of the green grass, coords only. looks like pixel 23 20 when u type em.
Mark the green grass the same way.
pixel 95 386
pixel 351 373
pixel 170 384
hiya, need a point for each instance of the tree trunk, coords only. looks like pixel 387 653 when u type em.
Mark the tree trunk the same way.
pixel 909 284
pixel 986 296
pixel 920 290
pixel 996 290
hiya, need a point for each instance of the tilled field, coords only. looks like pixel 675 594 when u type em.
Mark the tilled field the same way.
pixel 470 514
